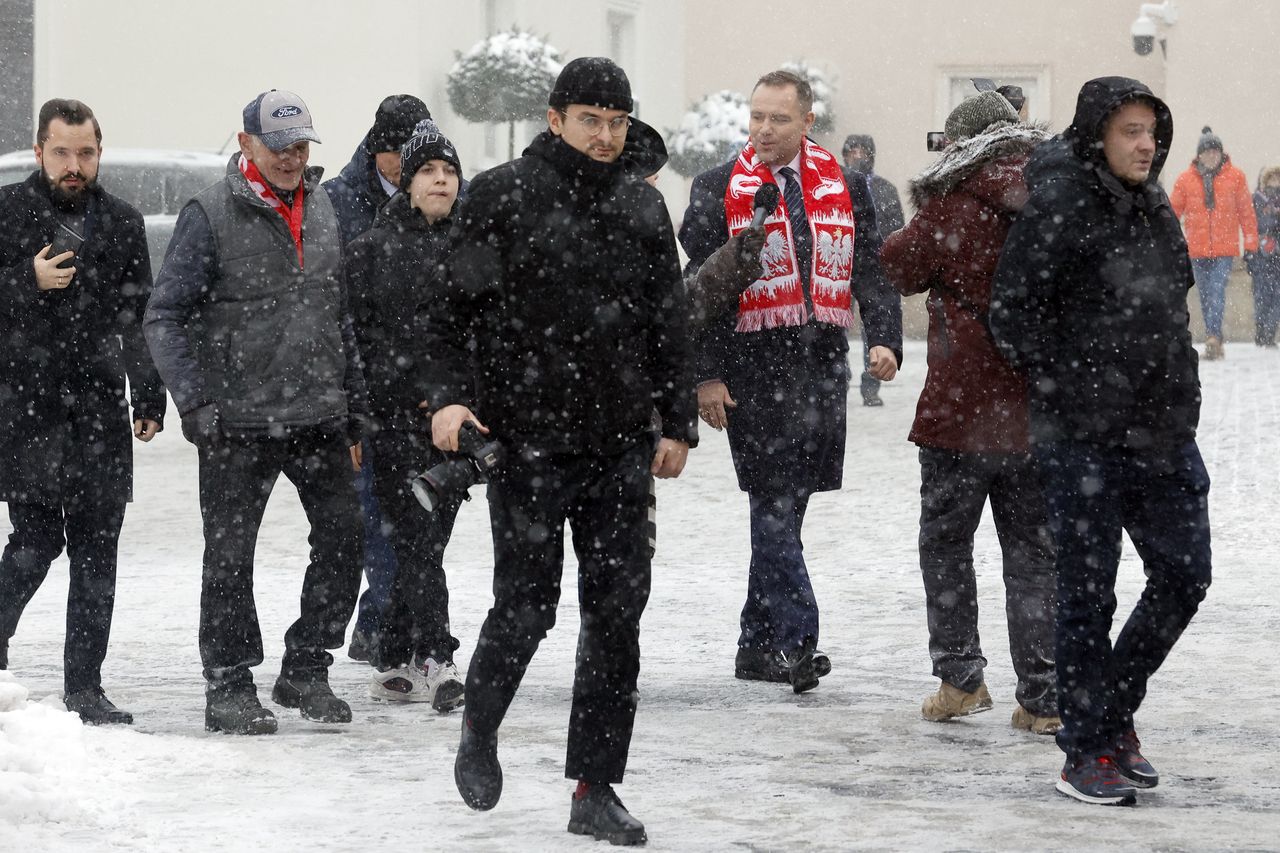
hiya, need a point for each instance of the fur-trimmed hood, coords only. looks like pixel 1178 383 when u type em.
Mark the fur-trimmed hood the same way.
pixel 963 159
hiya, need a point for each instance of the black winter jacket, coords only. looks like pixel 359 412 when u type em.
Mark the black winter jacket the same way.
pixel 560 314
pixel 356 194
pixel 64 354
pixel 389 268
pixel 1090 295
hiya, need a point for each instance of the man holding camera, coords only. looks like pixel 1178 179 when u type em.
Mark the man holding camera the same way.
pixel 773 363
pixel 74 279
pixel 561 320
pixel 249 325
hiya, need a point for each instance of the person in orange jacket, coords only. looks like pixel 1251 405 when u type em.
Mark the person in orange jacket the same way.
pixel 1212 200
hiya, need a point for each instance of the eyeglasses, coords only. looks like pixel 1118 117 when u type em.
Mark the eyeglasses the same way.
pixel 593 124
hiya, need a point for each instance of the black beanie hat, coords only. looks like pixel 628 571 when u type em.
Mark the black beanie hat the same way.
pixel 594 81
pixel 394 122
pixel 1208 140
pixel 427 143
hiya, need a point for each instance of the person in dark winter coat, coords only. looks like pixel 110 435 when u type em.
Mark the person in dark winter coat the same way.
pixel 74 280
pixel 971 421
pixel 1264 265
pixel 859 152
pixel 1090 300
pixel 360 189
pixel 388 269
pixel 559 327
pixel 773 363
pixel 250 328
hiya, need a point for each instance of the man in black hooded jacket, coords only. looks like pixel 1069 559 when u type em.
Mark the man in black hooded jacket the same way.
pixel 561 321
pixel 1090 299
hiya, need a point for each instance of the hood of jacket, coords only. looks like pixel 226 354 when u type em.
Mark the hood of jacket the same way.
pixel 973 156
pixel 359 171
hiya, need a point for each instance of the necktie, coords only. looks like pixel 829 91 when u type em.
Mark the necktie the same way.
pixel 794 198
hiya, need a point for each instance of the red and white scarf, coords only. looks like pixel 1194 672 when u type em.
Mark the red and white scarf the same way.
pixel 292 215
pixel 777 299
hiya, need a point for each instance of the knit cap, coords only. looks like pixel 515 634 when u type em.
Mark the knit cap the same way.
pixel 976 114
pixel 427 143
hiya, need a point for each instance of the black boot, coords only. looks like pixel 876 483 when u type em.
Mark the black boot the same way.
pixel 235 709
pixel 4 654
pixel 95 708
pixel 311 695
pixel 804 670
pixel 760 665
pixel 476 769
pixel 600 814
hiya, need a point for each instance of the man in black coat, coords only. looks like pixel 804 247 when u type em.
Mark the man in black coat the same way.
pixel 776 373
pixel 1090 300
pixel 561 322
pixel 249 325
pixel 859 153
pixel 389 268
pixel 75 278
pixel 359 191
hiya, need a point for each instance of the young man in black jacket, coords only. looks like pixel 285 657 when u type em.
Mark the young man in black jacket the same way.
pixel 561 322
pixel 388 269
pixel 1090 299
pixel 74 280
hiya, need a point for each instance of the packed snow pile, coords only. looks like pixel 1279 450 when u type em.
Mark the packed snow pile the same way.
pixel 42 759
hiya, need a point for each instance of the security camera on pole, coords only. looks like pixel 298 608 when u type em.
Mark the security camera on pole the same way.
pixel 1146 27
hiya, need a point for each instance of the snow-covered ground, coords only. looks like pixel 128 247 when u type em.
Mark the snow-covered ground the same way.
pixel 716 764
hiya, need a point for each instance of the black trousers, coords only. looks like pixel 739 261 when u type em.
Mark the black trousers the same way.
pixel 604 499
pixel 954 488
pixel 236 479
pixel 416 619
pixel 90 530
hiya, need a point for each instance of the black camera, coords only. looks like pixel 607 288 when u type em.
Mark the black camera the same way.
pixel 475 460
pixel 935 140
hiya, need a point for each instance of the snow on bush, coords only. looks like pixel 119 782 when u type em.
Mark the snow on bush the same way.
pixel 712 132
pixel 504 78
pixel 824 117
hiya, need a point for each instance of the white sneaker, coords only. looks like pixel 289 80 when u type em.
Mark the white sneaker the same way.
pixel 444 683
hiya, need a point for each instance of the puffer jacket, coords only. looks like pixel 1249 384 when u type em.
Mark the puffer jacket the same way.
pixel 1215 232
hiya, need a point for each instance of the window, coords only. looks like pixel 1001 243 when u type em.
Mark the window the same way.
pixel 956 85
pixel 622 37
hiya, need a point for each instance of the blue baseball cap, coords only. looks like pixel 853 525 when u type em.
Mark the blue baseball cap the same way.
pixel 279 119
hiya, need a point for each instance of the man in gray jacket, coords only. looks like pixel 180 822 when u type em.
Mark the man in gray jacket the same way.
pixel 248 323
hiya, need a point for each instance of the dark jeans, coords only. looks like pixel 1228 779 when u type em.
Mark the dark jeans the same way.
pixel 1095 494
pixel 416 620
pixel 92 531
pixel 868 385
pixel 236 478
pixel 604 499
pixel 780 613
pixel 379 557
pixel 1266 305
pixel 954 488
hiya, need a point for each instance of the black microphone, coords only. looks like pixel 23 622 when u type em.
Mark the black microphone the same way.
pixel 766 199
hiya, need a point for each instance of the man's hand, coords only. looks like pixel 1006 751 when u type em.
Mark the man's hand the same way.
pixel 881 364
pixel 446 423
pixel 713 399
pixel 357 456
pixel 145 429
pixel 669 459
pixel 49 275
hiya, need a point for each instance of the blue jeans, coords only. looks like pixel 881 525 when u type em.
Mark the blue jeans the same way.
pixel 1094 495
pixel 379 559
pixel 780 613
pixel 1211 280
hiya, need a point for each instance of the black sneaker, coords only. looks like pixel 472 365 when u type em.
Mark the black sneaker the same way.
pixel 476 770
pixel 600 814
pixel 760 665
pixel 311 695
pixel 362 647
pixel 235 709
pixel 1133 768
pixel 1095 779
pixel 95 708
pixel 803 668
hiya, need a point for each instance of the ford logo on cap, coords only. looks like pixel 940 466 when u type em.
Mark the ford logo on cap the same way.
pixel 287 111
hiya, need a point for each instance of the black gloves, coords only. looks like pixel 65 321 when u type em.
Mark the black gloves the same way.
pixel 729 270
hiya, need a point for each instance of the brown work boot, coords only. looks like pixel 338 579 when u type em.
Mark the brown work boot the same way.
pixel 951 702
pixel 1024 719
pixel 1213 349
